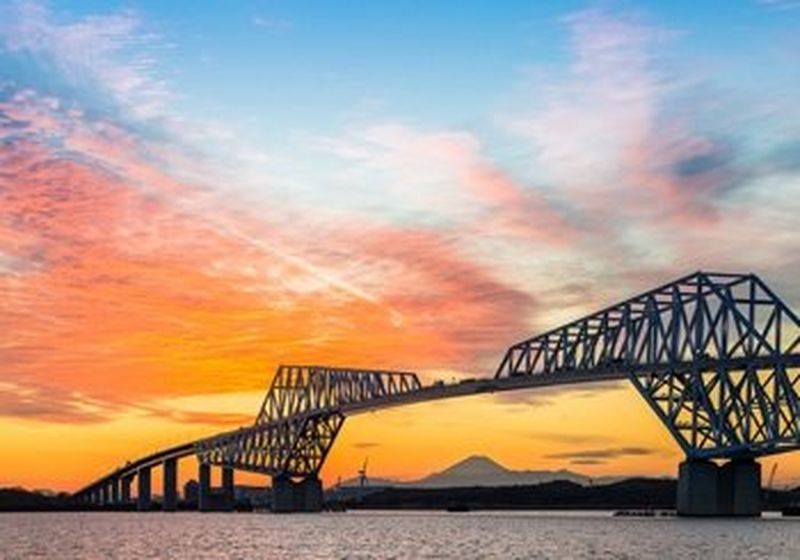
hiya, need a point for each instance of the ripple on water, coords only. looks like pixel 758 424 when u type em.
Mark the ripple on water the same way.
pixel 398 535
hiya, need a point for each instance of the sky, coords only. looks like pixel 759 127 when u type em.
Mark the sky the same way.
pixel 192 196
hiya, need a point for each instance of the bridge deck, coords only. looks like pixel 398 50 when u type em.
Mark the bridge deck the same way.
pixel 716 357
pixel 431 393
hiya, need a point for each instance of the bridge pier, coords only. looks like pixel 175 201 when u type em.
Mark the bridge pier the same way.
pixel 125 489
pixel 215 499
pixel 170 482
pixel 706 489
pixel 143 489
pixel 114 491
pixel 289 496
pixel 204 487
pixel 228 497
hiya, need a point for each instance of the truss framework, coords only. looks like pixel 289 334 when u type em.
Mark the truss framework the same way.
pixel 716 356
pixel 300 419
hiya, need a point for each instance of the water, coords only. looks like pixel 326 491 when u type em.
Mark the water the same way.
pixel 391 535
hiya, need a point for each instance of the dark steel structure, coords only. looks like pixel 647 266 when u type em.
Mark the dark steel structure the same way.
pixel 716 356
pixel 301 415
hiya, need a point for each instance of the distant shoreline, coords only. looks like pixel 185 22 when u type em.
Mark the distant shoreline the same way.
pixel 631 494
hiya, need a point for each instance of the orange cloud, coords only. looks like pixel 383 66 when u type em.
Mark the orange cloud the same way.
pixel 122 284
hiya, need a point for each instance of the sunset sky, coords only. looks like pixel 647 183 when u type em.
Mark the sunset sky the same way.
pixel 194 193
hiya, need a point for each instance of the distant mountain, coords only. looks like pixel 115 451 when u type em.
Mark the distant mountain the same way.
pixel 479 470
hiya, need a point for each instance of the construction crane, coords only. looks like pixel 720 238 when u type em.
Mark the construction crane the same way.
pixel 772 476
pixel 362 473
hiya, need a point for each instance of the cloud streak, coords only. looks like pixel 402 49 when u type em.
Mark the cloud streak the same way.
pixel 119 278
pixel 132 265
pixel 598 456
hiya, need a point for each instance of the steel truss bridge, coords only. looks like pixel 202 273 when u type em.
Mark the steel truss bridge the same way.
pixel 716 357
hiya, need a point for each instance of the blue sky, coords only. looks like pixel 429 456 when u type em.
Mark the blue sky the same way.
pixel 190 188
pixel 279 66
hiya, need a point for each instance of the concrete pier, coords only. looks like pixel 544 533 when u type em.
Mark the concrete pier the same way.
pixel 706 489
pixel 740 483
pixel 228 497
pixel 115 491
pixel 170 490
pixel 125 489
pixel 104 495
pixel 303 496
pixel 143 489
pixel 204 487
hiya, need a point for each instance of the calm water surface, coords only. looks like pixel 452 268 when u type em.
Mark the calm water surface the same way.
pixel 391 535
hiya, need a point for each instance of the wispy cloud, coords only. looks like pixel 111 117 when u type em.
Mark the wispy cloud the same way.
pixel 272 24
pixel 597 456
pixel 131 263
pixel 366 444
pixel 443 177
pixel 779 4
pixel 125 269
pixel 52 404
pixel 111 52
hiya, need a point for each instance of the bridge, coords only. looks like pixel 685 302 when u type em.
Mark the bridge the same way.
pixel 716 356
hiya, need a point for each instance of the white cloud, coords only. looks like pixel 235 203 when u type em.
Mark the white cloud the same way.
pixel 110 51
pixel 271 23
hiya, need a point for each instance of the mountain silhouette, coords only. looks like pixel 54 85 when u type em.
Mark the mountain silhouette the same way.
pixel 480 470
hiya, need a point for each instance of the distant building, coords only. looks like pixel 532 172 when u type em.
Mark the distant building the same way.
pixel 190 491
pixel 255 496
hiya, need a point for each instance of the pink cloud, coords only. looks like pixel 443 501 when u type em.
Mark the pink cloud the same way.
pixel 125 284
pixel 112 52
pixel 451 179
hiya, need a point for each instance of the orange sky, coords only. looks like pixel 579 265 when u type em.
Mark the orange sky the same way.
pixel 134 322
pixel 156 270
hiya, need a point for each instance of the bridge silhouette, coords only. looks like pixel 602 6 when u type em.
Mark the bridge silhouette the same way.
pixel 715 355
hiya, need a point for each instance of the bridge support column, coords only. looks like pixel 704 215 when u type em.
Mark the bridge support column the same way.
pixel 204 487
pixel 125 489
pixel 228 497
pixel 104 494
pixel 705 489
pixel 303 496
pixel 115 491
pixel 143 488
pixel 697 488
pixel 170 493
pixel 740 488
